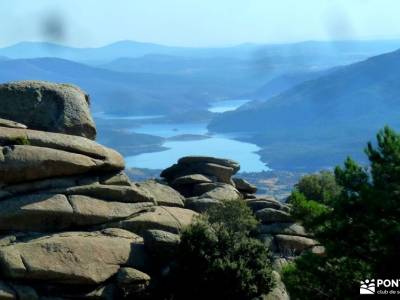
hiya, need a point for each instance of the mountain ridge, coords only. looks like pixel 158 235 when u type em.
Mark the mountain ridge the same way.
pixel 128 48
pixel 316 124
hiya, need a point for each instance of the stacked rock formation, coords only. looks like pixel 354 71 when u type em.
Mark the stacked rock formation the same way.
pixel 72 225
pixel 206 181
pixel 285 238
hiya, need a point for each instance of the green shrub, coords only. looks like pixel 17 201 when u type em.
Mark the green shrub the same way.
pixel 359 227
pixel 218 258
pixel 21 140
pixel 321 187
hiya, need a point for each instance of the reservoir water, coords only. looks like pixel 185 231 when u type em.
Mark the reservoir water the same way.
pixel 205 144
pixel 227 105
pixel 215 145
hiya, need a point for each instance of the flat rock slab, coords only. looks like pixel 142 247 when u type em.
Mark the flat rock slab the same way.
pixel 201 205
pixel 292 245
pixel 35 212
pixel 244 186
pixel 283 228
pixel 72 257
pixel 11 124
pixel 128 276
pixel 91 211
pixel 208 159
pixel 191 179
pixel 58 141
pixel 47 212
pixel 220 169
pixel 171 219
pixel 22 163
pixel 271 215
pixel 62 183
pixel 128 194
pixel 161 193
pixel 48 106
pixel 220 172
pixel 223 192
pixel 161 244
pixel 258 204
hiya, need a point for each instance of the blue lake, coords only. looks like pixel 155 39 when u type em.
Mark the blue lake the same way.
pixel 172 129
pixel 227 105
pixel 105 116
pixel 214 145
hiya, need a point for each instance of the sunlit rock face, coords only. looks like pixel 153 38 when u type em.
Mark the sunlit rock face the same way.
pixel 74 226
pixel 71 221
pixel 48 106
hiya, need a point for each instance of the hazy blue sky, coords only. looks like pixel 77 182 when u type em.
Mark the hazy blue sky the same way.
pixel 196 22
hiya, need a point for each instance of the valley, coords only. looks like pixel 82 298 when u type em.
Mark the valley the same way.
pixel 310 107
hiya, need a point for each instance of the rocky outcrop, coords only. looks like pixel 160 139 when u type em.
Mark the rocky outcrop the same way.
pixel 278 231
pixel 71 222
pixel 11 124
pixel 47 106
pixel 221 170
pixel 206 181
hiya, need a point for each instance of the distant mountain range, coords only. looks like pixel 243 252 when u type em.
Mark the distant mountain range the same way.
pixel 321 52
pixel 114 92
pixel 336 111
pixel 140 92
pixel 117 50
pixel 318 96
pixel 285 82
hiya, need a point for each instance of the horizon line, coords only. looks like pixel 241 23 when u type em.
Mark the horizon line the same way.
pixel 61 44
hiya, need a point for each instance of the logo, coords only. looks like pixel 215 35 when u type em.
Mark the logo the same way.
pixel 367 287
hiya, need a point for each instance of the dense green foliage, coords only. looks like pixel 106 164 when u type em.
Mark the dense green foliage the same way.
pixel 218 258
pixel 360 227
pixel 321 187
pixel 21 140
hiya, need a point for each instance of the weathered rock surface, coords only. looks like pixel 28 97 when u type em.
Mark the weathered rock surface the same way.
pixel 207 159
pixel 257 204
pixel 132 281
pixel 72 224
pixel 117 193
pixel 71 257
pixel 201 205
pixel 223 192
pixel 171 219
pixel 161 244
pixel 283 228
pixel 29 155
pixel 64 201
pixel 221 169
pixel 244 186
pixel 162 194
pixel 11 124
pixel 128 276
pixel 207 177
pixel 48 106
pixel 293 244
pixel 271 215
pixel 190 179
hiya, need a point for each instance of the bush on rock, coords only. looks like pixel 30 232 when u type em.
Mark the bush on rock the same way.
pixel 218 258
